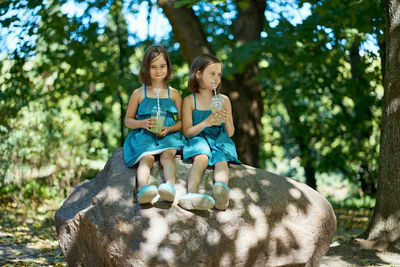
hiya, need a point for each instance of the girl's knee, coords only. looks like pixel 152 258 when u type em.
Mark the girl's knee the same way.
pixel 221 165
pixel 149 159
pixel 201 159
pixel 168 155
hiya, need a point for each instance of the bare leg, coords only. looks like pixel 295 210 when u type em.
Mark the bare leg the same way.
pixel 200 163
pixel 220 188
pixel 167 160
pixel 221 172
pixel 193 200
pixel 143 170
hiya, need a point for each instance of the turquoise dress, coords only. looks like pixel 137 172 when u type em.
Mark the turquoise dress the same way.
pixel 213 141
pixel 141 142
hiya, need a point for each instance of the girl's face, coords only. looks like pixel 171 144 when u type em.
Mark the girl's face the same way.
pixel 158 69
pixel 211 73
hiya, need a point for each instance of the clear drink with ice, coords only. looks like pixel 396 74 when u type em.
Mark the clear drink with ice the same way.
pixel 217 104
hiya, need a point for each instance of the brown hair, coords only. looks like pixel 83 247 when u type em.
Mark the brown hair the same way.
pixel 151 53
pixel 199 64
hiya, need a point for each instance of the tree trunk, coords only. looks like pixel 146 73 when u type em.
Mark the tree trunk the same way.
pixel 121 35
pixel 384 230
pixel 244 91
pixel 247 109
pixel 122 57
pixel 310 175
pixel 187 30
pixel 363 116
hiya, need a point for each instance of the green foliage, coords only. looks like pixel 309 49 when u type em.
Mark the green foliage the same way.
pixel 322 98
pixel 61 106
pixel 32 189
pixel 62 100
pixel 47 151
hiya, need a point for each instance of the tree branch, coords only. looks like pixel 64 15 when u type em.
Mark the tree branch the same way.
pixel 187 30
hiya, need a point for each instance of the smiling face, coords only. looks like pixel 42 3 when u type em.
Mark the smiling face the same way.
pixel 212 73
pixel 158 69
pixel 156 66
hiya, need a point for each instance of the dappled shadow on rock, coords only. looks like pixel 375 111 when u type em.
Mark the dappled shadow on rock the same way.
pixel 271 221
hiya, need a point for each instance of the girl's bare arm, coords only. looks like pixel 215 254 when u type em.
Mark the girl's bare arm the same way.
pixel 187 122
pixel 130 116
pixel 229 127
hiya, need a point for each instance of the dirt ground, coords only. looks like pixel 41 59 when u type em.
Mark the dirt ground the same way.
pixel 346 254
pixel 350 253
pixel 346 249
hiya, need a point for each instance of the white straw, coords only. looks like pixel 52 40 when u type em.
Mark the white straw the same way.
pixel 215 95
pixel 158 99
pixel 215 90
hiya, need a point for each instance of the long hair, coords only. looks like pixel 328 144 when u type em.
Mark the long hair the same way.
pixel 199 64
pixel 151 53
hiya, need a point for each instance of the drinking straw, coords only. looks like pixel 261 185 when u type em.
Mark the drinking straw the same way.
pixel 215 95
pixel 215 90
pixel 158 99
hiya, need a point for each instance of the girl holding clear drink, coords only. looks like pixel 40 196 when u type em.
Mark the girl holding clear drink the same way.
pixel 208 135
pixel 154 115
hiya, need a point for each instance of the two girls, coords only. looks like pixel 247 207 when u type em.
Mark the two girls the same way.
pixel 208 140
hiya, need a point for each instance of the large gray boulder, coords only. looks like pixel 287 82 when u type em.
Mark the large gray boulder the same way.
pixel 271 221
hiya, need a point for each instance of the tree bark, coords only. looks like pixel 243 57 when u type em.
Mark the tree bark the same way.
pixel 187 30
pixel 384 230
pixel 122 41
pixel 309 170
pixel 122 63
pixel 244 91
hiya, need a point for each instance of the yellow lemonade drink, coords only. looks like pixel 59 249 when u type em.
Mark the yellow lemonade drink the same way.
pixel 160 124
pixel 217 104
pixel 159 117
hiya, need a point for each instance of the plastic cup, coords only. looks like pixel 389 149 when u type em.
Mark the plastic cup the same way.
pixel 217 104
pixel 159 117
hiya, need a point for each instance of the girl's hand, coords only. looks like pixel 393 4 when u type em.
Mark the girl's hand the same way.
pixel 212 119
pixel 149 124
pixel 224 114
pixel 164 132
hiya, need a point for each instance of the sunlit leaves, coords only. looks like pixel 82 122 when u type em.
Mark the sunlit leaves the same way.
pixel 326 92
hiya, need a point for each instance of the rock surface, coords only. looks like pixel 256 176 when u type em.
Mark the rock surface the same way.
pixel 271 221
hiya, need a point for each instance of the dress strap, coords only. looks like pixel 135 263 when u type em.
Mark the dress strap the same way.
pixel 194 97
pixel 145 93
pixel 168 91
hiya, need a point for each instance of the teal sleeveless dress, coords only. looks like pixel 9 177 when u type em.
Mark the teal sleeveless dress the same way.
pixel 141 142
pixel 213 141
